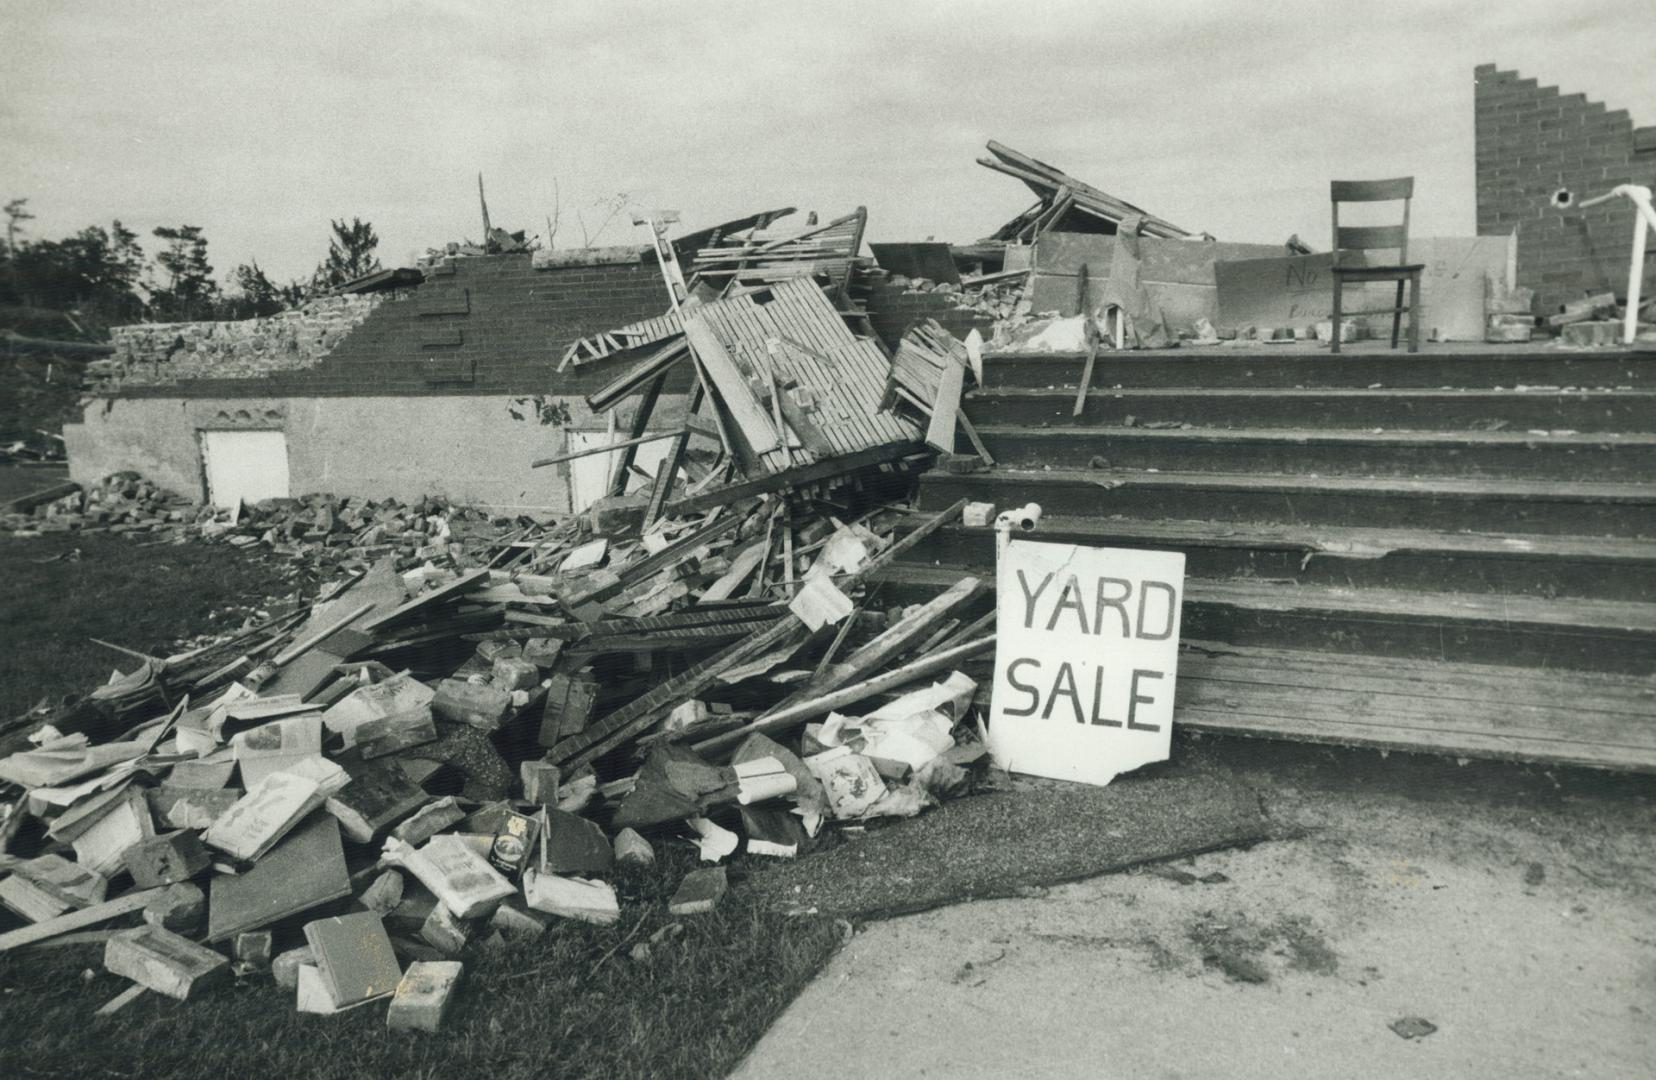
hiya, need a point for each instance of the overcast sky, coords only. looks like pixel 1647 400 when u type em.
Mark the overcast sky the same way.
pixel 260 121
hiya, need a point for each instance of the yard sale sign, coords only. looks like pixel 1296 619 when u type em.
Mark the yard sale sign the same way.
pixel 1087 648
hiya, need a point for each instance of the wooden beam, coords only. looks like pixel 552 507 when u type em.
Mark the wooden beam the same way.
pixel 640 423
pixel 815 472
pixel 654 436
pixel 76 920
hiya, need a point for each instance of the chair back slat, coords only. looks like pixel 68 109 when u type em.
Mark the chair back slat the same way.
pixel 1371 190
pixel 1353 237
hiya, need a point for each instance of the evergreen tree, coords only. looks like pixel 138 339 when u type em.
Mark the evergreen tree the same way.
pixel 188 292
pixel 350 254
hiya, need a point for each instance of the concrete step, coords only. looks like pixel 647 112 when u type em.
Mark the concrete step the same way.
pixel 1519 631
pixel 1469 365
pixel 1301 451
pixel 1406 409
pixel 1554 508
pixel 1534 566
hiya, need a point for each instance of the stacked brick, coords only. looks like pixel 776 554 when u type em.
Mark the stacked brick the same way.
pixel 165 354
pixel 1533 141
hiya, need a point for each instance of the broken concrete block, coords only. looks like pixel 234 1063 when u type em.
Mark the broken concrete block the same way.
pixel 353 953
pixel 445 933
pixel 978 515
pixel 699 892
pixel 163 961
pixel 574 845
pixel 482 707
pixel 29 900
pixel 384 894
pixel 430 821
pixel 514 673
pixel 253 948
pixel 377 797
pixel 543 652
pixel 515 924
pixel 571 898
pixel 179 907
pixel 631 849
pixel 458 876
pixel 285 967
pixel 540 782
pixel 423 995
pixel 167 859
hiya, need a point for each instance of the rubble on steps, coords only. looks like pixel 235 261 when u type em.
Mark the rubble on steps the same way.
pixel 469 736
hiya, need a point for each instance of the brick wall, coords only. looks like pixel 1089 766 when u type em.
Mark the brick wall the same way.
pixel 892 309
pixel 492 324
pixel 159 354
pixel 1533 140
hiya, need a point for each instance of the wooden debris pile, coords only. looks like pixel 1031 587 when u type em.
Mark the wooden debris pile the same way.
pixel 350 798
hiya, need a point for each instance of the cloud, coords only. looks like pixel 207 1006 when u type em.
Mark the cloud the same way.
pixel 262 121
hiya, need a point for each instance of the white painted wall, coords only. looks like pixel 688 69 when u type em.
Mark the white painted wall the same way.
pixel 244 466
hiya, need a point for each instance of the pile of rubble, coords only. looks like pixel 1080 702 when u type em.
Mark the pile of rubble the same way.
pixel 319 529
pixel 350 797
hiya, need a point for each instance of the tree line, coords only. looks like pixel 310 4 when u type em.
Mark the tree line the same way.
pixel 104 277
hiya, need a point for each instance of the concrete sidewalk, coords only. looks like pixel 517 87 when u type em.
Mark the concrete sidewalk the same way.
pixel 1516 914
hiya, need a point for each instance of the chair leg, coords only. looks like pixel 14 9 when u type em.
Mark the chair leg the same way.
pixel 1414 312
pixel 1397 313
pixel 1336 334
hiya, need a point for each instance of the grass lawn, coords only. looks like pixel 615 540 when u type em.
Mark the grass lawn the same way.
pixel 571 1004
pixel 137 596
pixel 574 1003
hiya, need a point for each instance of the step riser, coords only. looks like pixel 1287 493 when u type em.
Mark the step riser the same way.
pixel 973 551
pixel 1320 369
pixel 1198 452
pixel 1428 639
pixel 1489 514
pixel 1517 412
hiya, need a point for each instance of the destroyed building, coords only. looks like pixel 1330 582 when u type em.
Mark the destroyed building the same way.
pixel 773 611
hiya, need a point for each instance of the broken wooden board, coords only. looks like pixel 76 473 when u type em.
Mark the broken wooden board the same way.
pixel 77 920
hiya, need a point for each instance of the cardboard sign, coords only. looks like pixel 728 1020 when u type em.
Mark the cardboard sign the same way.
pixel 1087 648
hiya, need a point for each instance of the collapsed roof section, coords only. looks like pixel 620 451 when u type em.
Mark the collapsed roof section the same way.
pixel 1067 204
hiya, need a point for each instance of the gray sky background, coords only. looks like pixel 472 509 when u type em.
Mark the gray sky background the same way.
pixel 260 121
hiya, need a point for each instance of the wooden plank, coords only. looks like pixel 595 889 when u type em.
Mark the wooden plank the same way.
pixel 635 716
pixel 472 579
pixel 76 920
pixel 654 436
pixel 815 472
pixel 640 423
pixel 730 385
pixel 940 432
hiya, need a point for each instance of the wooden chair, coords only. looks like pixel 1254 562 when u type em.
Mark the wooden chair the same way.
pixel 1377 237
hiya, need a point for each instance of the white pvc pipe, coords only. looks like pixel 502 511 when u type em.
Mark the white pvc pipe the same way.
pixel 1644 217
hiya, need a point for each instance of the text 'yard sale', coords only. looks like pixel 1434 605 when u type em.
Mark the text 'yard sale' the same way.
pixel 1087 649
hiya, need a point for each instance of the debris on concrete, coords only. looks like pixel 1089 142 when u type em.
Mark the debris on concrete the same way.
pixel 1413 1027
